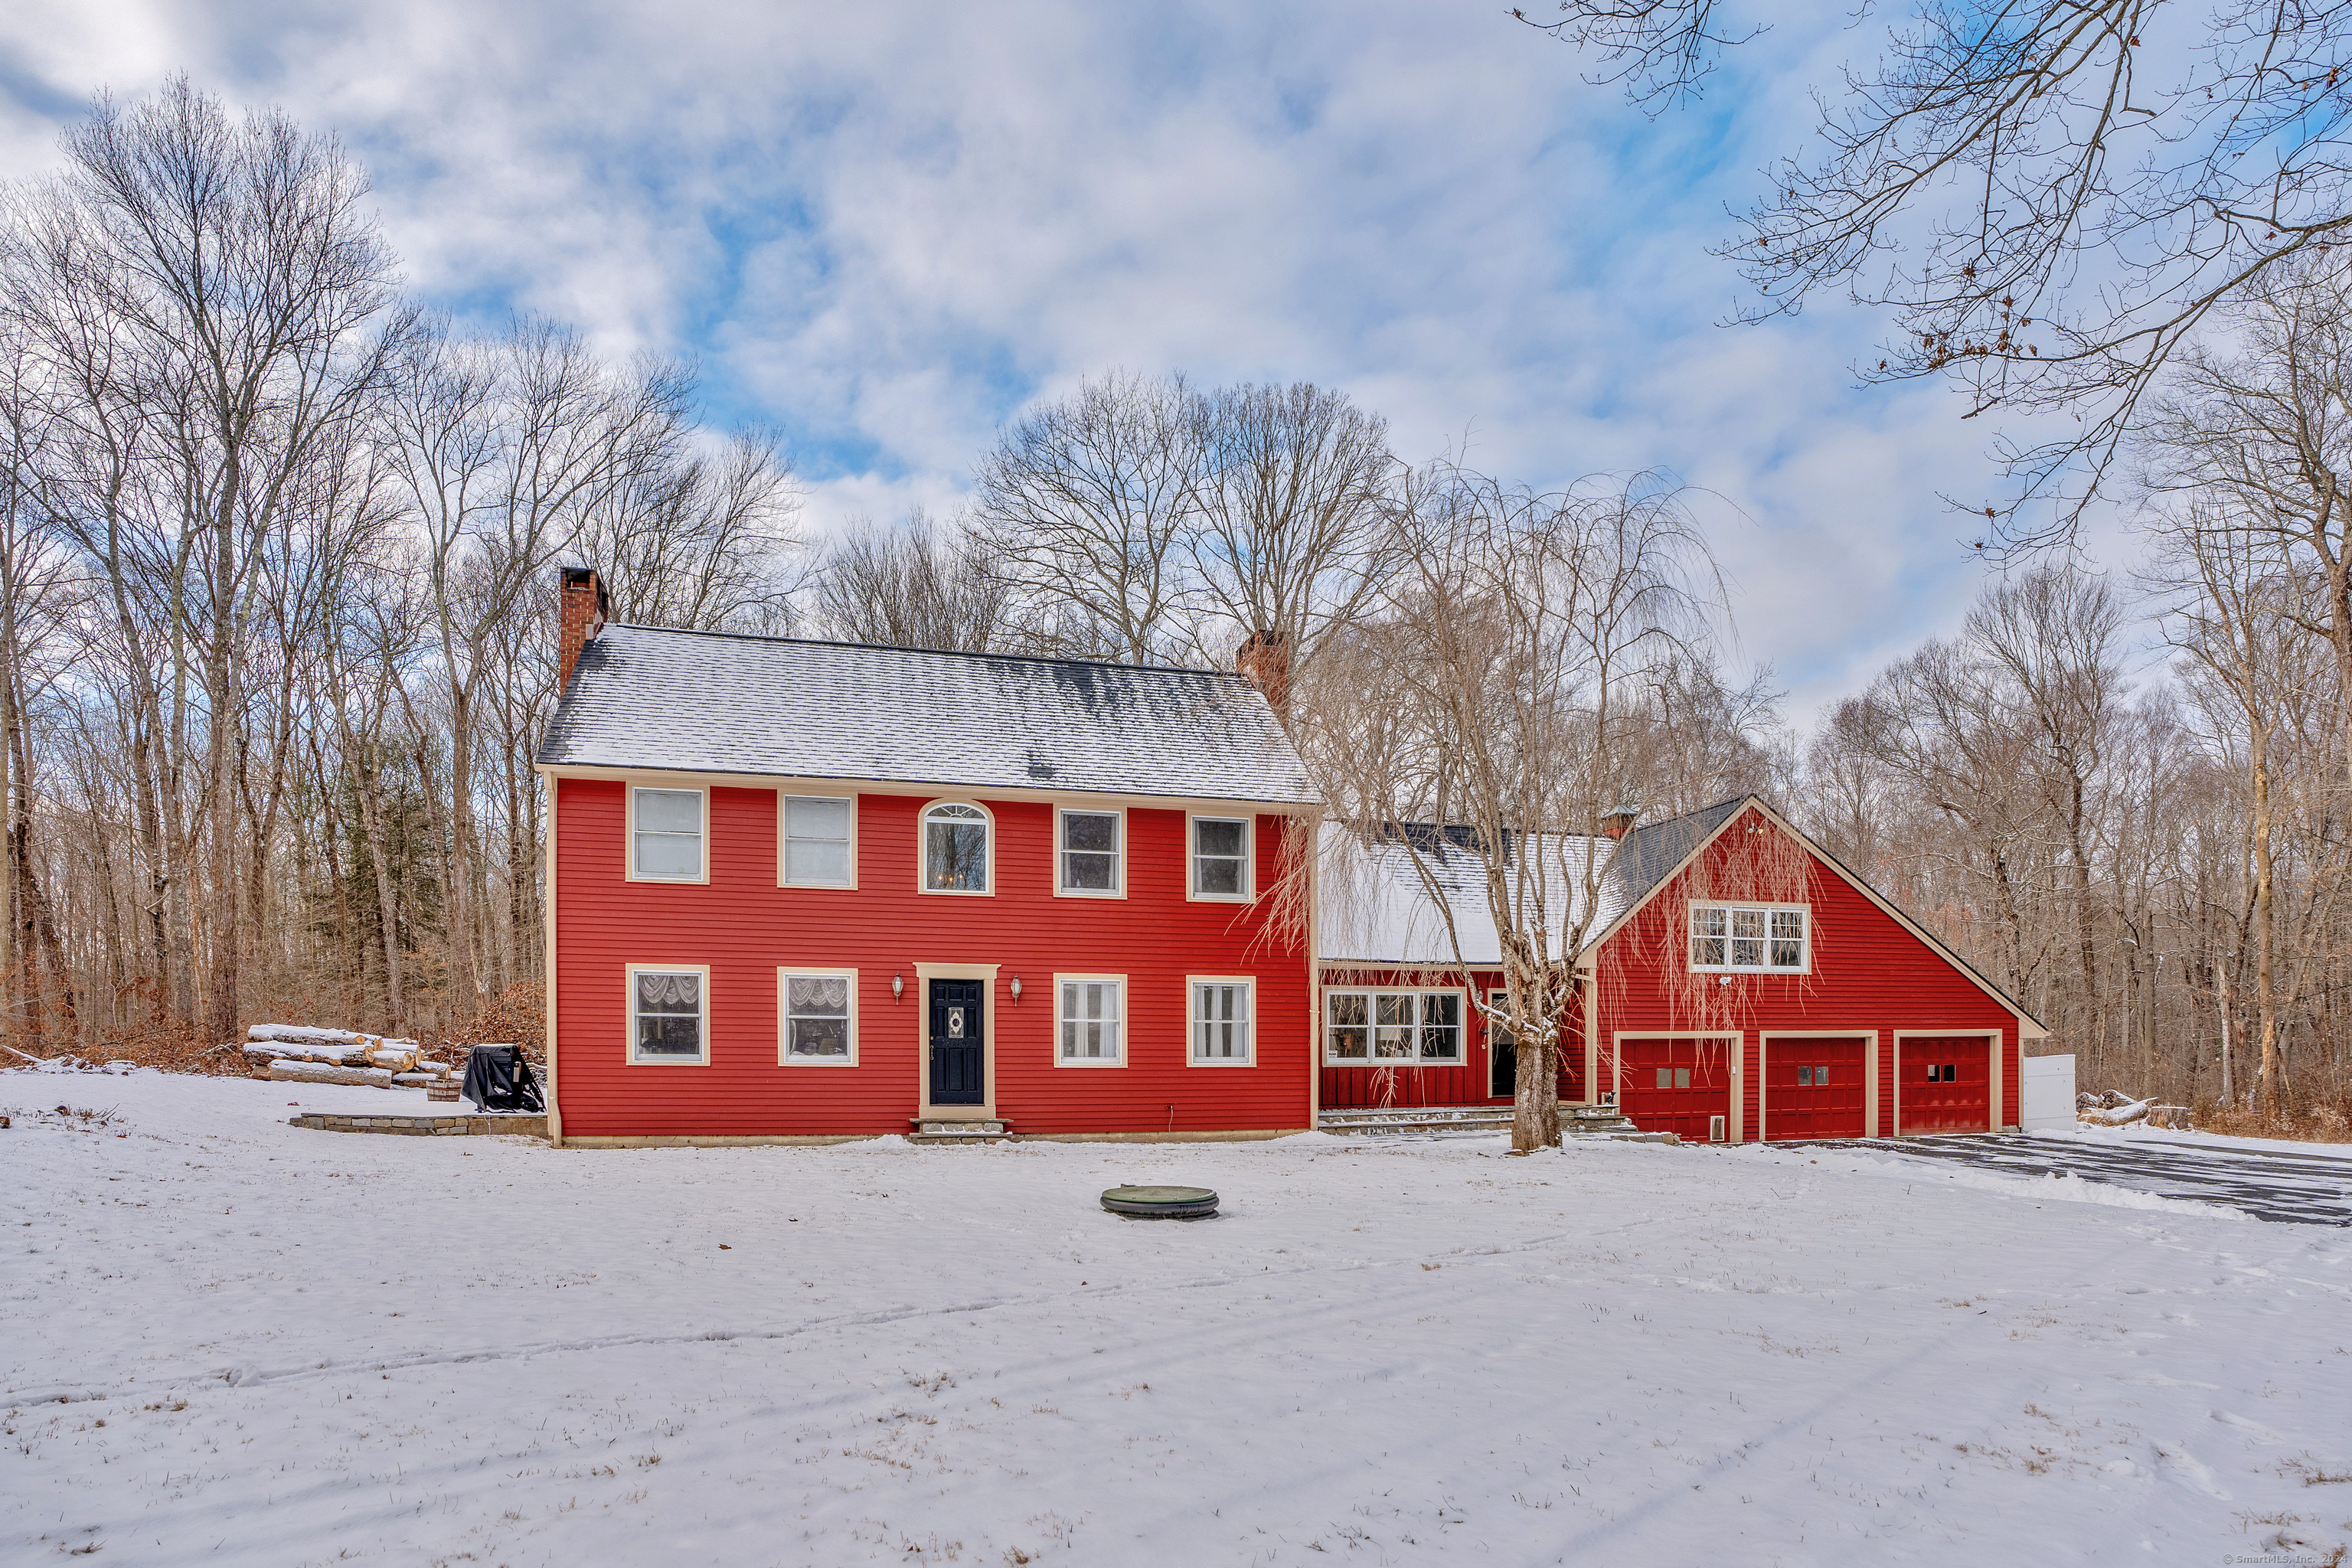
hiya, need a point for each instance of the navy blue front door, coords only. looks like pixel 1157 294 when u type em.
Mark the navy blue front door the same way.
pixel 959 1055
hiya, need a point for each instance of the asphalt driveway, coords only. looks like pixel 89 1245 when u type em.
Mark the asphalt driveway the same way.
pixel 2270 1185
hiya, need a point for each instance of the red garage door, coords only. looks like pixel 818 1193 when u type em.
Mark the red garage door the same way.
pixel 1813 1088
pixel 1676 1086
pixel 1944 1085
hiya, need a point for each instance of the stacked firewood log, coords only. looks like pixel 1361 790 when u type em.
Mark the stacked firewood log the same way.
pixel 303 1053
pixel 2113 1109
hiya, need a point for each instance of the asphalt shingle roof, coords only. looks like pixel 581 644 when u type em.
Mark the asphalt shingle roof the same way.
pixel 713 702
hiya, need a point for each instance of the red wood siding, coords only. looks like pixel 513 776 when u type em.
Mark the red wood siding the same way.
pixel 1869 975
pixel 1957 1106
pixel 1375 1085
pixel 744 926
pixel 1834 1109
pixel 1677 1084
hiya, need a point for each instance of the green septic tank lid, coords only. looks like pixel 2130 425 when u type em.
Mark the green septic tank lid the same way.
pixel 1161 1203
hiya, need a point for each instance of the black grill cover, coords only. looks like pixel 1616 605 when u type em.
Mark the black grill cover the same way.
pixel 498 1079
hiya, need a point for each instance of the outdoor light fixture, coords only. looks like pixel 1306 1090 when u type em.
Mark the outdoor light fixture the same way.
pixel 898 988
pixel 1017 991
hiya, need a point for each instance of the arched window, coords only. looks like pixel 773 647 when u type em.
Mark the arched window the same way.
pixel 955 848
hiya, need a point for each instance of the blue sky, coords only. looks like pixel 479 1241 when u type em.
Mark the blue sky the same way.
pixel 885 227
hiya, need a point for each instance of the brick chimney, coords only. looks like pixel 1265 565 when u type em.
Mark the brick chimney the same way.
pixel 1619 821
pixel 579 618
pixel 1265 662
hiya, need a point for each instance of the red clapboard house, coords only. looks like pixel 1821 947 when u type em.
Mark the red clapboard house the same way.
pixel 802 891
pixel 1737 985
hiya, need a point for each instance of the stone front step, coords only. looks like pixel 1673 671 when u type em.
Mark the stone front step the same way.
pixel 948 1130
pixel 1606 1121
pixel 1421 1119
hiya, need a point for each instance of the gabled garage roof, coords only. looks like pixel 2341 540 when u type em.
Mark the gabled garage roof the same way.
pixel 647 697
pixel 1377 909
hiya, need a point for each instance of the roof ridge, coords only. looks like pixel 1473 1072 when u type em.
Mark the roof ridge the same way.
pixel 937 652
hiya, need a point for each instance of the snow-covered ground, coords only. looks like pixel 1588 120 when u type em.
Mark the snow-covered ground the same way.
pixel 229 1339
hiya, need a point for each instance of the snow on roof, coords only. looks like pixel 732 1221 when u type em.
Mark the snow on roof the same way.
pixel 714 702
pixel 1377 911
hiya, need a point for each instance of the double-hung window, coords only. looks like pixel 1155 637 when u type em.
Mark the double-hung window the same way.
pixel 1090 854
pixel 666 835
pixel 668 1015
pixel 955 848
pixel 1766 938
pixel 817 841
pixel 820 1017
pixel 1090 1020
pixel 1221 857
pixel 1392 1026
pixel 1221 1019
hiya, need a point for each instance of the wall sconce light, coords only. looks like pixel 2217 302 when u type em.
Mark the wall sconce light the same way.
pixel 1017 991
pixel 898 988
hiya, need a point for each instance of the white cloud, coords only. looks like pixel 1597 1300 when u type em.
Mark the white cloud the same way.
pixel 883 227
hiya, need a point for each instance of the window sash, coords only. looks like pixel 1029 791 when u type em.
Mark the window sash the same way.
pixel 820 1017
pixel 667 1015
pixel 1371 1025
pixel 1093 1022
pixel 1222 1021
pixel 1499 1030
pixel 817 830
pixel 1221 860
pixel 667 834
pixel 1761 937
pixel 1090 852
pixel 955 849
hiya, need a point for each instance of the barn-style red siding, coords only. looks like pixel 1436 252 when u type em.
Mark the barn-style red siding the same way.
pixel 1375 1086
pixel 1869 975
pixel 744 926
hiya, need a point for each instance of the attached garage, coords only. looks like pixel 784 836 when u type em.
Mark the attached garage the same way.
pixel 1813 1085
pixel 1677 1084
pixel 1943 1083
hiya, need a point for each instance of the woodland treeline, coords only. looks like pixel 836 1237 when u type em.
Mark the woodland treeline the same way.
pixel 278 549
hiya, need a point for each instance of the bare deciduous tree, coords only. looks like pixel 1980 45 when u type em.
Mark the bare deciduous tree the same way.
pixel 2050 198
pixel 1082 503
pixel 919 586
pixel 1493 687
pixel 1288 493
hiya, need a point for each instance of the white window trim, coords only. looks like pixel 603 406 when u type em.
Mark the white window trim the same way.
pixel 1193 893
pixel 629 850
pixel 923 851
pixel 1248 1058
pixel 784 877
pixel 1125 1045
pixel 1690 936
pixel 1461 1056
pixel 1117 890
pixel 784 976
pixel 629 1042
